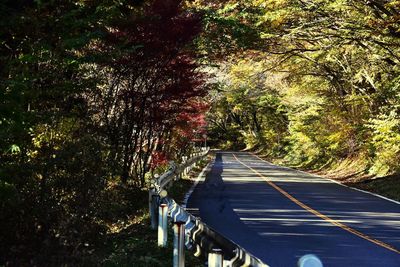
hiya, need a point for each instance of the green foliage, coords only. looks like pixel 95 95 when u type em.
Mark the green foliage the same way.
pixel 338 96
pixel 250 113
pixel 229 28
pixel 59 64
pixel 385 143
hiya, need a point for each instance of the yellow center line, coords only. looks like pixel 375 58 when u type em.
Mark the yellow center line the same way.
pixel 317 213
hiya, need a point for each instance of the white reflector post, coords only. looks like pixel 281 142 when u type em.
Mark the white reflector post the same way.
pixel 179 244
pixel 162 225
pixel 215 258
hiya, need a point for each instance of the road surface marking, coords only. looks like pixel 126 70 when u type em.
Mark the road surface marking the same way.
pixel 329 179
pixel 317 213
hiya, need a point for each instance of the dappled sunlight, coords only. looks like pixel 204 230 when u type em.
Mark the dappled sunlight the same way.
pixel 240 204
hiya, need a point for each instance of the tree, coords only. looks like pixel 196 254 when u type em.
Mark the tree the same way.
pixel 340 59
pixel 153 78
pixel 88 90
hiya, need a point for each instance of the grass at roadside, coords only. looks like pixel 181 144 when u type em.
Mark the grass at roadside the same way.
pixel 137 246
pixel 179 189
pixel 388 186
pixel 352 172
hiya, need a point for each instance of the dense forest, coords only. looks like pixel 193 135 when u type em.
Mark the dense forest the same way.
pixel 97 96
pixel 321 85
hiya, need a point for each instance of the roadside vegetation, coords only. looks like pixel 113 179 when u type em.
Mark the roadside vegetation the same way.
pixel 133 243
pixel 318 90
pixel 386 186
pixel 96 97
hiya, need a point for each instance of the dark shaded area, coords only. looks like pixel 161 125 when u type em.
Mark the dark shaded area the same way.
pixel 388 186
pixel 88 89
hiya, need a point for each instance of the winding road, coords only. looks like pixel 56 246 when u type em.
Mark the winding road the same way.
pixel 280 214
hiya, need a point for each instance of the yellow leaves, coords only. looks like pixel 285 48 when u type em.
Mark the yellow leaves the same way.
pixel 276 13
pixel 364 74
pixel 393 4
pixel 46 135
pixel 385 125
pixel 260 3
pixel 245 68
pixel 273 4
pixel 305 90
pixel 230 98
pixel 228 8
pixel 337 6
pixel 276 18
pixel 14 149
pixel 336 139
pixel 238 108
pixel 245 74
pixel 386 142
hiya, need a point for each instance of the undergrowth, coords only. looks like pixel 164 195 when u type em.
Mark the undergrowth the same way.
pixel 134 243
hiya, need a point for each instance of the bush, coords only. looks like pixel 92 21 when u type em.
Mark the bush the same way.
pixel 385 144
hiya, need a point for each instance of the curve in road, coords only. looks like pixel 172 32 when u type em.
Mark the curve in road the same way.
pixel 279 214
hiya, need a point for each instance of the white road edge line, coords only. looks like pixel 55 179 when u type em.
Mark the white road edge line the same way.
pixel 336 182
pixel 200 177
pixel 319 214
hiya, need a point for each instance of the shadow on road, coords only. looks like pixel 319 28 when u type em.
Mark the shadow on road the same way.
pixel 244 208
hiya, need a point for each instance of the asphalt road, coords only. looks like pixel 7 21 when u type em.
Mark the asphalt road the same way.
pixel 280 214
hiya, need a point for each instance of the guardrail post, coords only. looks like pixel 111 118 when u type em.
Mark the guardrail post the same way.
pixel 179 244
pixel 162 225
pixel 191 157
pixel 215 258
pixel 184 160
pixel 187 169
pixel 153 203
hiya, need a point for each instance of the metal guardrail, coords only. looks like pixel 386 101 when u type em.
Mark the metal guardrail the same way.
pixel 203 240
pixel 176 171
pixel 160 183
pixel 190 230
